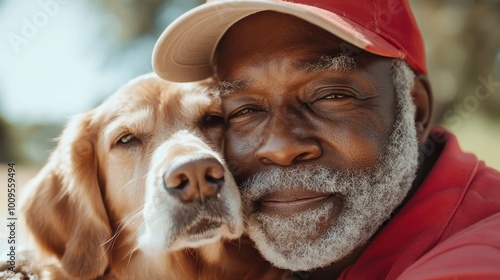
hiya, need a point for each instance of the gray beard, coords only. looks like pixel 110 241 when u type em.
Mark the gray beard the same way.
pixel 369 197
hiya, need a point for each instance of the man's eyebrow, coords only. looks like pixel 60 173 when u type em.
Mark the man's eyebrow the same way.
pixel 228 87
pixel 341 62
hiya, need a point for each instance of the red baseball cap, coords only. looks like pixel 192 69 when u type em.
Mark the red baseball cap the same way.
pixel 185 50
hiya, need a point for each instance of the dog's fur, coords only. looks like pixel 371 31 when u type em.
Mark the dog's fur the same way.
pixel 100 208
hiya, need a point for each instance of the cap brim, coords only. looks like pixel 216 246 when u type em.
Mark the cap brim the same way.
pixel 185 50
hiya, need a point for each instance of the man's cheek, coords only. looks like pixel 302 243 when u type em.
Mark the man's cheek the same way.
pixel 240 156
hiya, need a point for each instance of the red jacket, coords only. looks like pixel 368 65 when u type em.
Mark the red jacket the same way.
pixel 449 229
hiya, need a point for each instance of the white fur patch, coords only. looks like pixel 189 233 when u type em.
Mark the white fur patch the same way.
pixel 158 233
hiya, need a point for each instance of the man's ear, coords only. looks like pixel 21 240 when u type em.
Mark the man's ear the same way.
pixel 422 98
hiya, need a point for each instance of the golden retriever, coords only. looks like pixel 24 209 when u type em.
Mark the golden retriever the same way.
pixel 137 189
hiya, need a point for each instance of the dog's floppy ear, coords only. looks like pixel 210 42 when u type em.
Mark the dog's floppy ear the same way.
pixel 64 207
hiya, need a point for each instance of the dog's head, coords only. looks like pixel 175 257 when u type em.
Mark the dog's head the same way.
pixel 142 170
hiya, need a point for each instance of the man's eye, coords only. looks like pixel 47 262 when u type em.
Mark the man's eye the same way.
pixel 329 95
pixel 241 112
pixel 335 96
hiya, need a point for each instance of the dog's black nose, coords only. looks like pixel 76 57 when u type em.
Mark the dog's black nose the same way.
pixel 195 179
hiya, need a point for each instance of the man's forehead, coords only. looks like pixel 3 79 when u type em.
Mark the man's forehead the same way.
pixel 340 63
pixel 294 42
pixel 277 29
pixel 290 34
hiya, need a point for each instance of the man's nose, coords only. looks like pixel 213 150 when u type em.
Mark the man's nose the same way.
pixel 286 142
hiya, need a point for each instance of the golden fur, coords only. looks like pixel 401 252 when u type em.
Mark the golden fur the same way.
pixel 98 209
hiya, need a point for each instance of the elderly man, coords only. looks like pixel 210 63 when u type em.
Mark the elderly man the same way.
pixel 327 103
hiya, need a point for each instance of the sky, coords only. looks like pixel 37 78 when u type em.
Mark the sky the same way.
pixel 53 59
pixel 46 61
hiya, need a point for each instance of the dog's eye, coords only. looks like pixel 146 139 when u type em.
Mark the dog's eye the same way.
pixel 126 139
pixel 212 121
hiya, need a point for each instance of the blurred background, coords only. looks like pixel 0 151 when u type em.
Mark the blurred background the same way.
pixel 62 57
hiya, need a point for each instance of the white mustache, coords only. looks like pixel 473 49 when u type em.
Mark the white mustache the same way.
pixel 309 177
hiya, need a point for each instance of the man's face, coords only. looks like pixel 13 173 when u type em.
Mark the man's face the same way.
pixel 311 139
